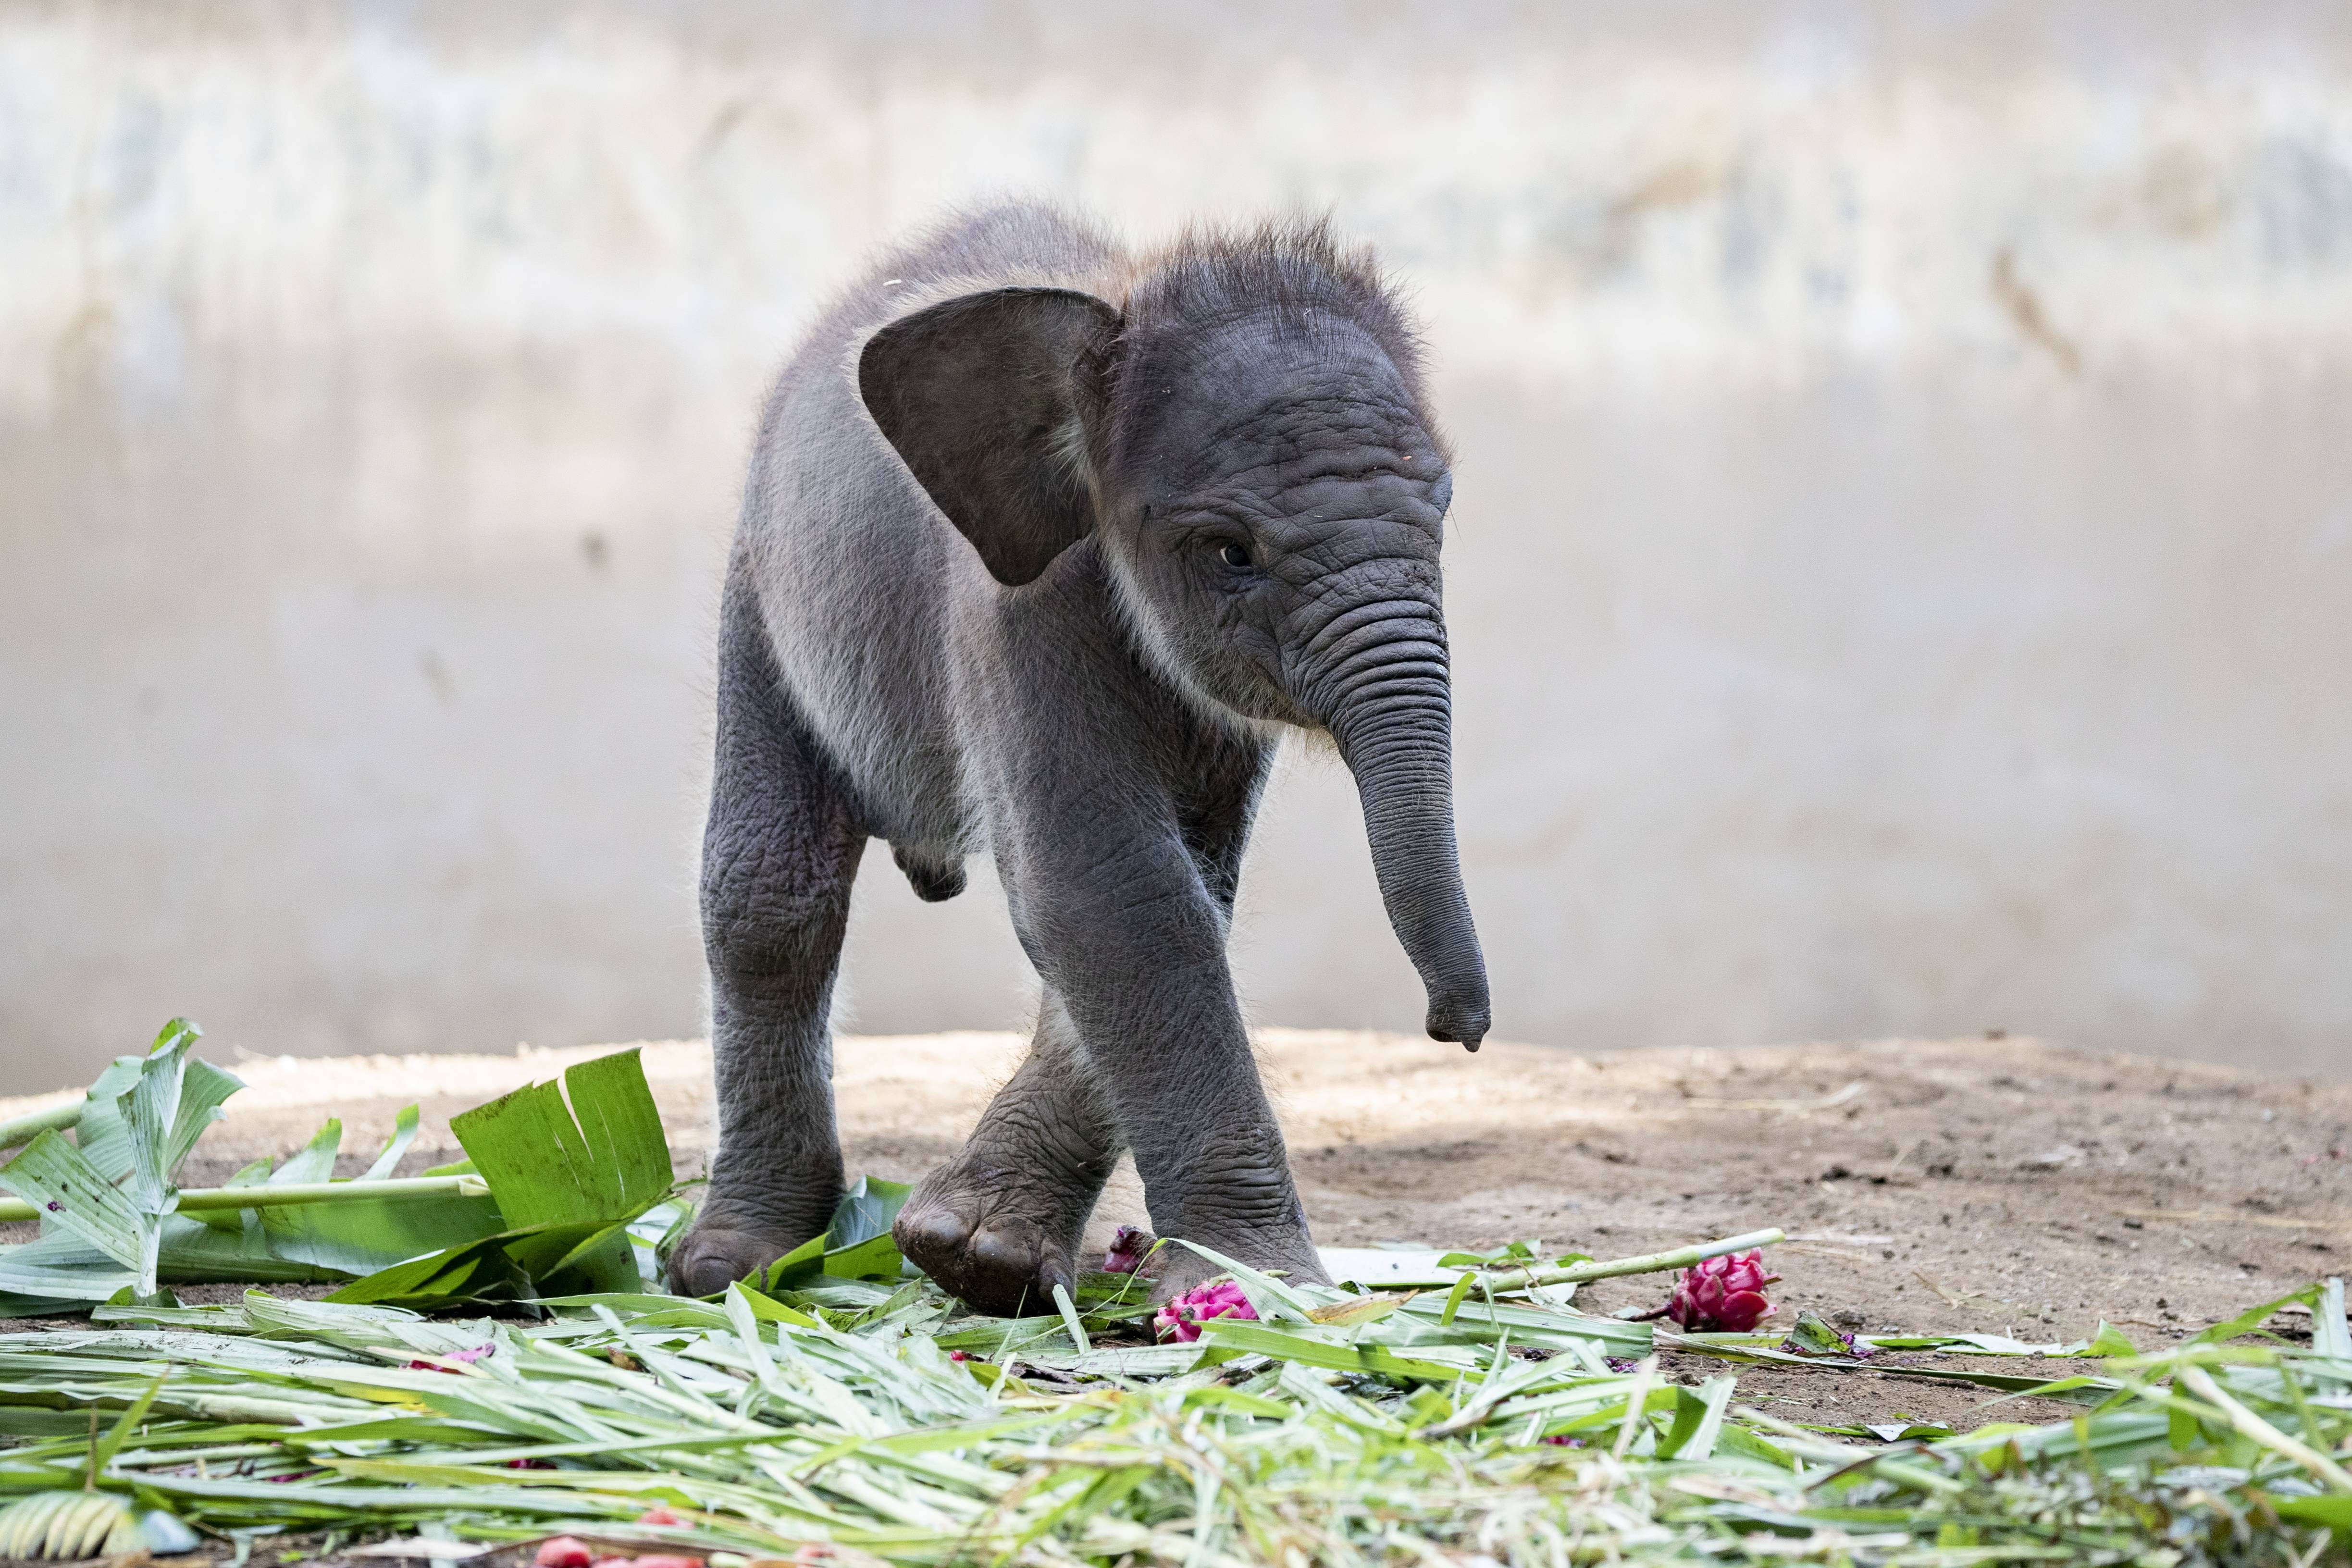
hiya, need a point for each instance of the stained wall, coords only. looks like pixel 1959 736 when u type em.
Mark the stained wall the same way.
pixel 1901 563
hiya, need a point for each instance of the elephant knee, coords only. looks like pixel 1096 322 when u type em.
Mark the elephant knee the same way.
pixel 767 905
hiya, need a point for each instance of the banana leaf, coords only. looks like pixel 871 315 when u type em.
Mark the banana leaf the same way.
pixel 856 1244
pixel 569 1169
pixel 107 1196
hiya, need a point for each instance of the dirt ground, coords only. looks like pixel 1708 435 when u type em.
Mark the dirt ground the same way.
pixel 2004 1186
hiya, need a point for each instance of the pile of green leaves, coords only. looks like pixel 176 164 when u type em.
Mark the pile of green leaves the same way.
pixel 1467 1411
pixel 566 1188
pixel 1339 1428
pixel 563 1189
pixel 569 1183
pixel 109 1204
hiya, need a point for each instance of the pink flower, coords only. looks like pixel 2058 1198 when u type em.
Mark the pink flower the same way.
pixel 1722 1294
pixel 1129 1248
pixel 1182 1317
pixel 467 1357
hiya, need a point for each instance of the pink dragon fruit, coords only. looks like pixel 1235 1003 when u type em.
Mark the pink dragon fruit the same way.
pixel 1129 1248
pixel 1182 1317
pixel 1722 1295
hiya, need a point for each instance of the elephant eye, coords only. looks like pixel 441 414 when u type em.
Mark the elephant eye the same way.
pixel 1234 555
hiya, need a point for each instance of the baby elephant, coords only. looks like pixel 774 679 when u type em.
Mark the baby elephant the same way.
pixel 1045 546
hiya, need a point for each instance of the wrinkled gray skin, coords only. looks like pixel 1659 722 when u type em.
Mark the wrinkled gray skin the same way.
pixel 1044 548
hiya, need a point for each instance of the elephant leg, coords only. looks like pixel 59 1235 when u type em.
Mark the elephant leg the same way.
pixel 778 854
pixel 1126 929
pixel 999 1225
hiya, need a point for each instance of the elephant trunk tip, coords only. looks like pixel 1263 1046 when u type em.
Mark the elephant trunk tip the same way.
pixel 1464 1024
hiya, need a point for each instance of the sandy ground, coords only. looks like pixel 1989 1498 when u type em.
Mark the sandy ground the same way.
pixel 2007 1186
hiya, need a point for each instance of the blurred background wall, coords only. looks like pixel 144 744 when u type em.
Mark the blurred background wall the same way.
pixel 1902 570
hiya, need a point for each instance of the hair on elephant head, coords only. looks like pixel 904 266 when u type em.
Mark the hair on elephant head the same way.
pixel 1246 433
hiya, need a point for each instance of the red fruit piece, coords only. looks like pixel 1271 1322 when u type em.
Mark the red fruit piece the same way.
pixel 564 1552
pixel 1182 1317
pixel 659 1515
pixel 1722 1295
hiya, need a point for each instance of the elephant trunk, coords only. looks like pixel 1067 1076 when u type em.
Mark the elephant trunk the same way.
pixel 1388 706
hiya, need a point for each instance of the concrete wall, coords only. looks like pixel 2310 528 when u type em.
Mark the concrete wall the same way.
pixel 1903 570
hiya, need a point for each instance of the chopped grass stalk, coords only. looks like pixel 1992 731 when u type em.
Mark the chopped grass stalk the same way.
pixel 194 1200
pixel 1519 1280
pixel 2200 1382
pixel 24 1129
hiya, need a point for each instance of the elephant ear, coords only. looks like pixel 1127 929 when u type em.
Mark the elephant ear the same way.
pixel 979 395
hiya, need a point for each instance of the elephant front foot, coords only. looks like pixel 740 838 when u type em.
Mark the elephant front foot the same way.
pixel 998 1240
pixel 712 1257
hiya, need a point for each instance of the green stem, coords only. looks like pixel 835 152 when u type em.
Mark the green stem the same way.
pixel 57 1118
pixel 1648 1263
pixel 2249 1424
pixel 293 1193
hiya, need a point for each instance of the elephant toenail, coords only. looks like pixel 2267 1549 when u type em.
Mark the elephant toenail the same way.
pixel 1000 1251
pixel 708 1273
pixel 939 1230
